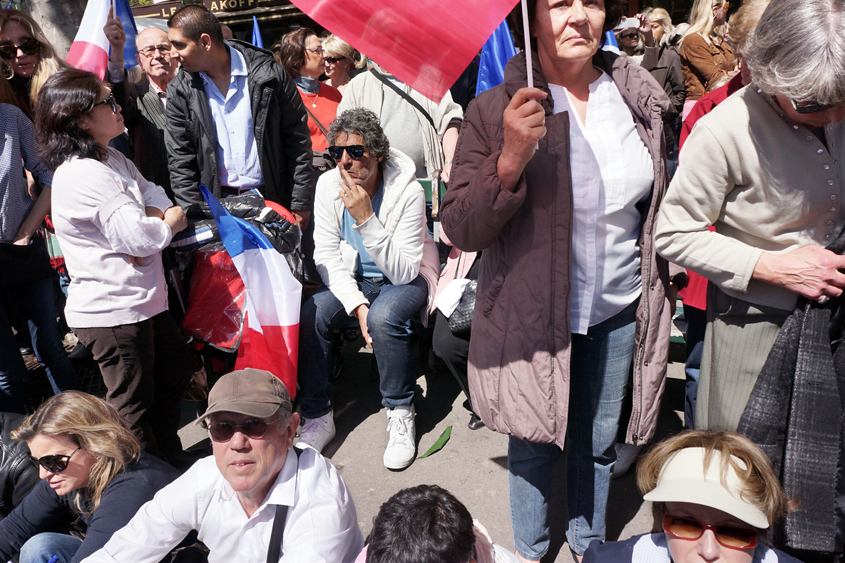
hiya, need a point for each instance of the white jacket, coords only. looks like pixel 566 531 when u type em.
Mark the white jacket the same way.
pixel 397 239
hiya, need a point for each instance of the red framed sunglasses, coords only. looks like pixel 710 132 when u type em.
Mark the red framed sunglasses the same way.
pixel 727 536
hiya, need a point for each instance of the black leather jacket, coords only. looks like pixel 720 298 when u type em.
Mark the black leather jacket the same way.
pixel 17 475
pixel 280 126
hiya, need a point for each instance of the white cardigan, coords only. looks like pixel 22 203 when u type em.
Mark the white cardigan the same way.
pixel 397 239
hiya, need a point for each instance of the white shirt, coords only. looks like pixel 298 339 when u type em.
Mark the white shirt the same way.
pixel 238 165
pixel 98 212
pixel 321 524
pixel 612 171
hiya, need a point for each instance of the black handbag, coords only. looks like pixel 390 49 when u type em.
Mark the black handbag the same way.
pixel 460 321
pixel 21 265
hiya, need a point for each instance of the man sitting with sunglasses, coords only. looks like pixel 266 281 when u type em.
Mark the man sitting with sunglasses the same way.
pixel 719 496
pixel 378 265
pixel 256 491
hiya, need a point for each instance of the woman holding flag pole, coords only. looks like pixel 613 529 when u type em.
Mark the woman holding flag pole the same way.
pixel 559 183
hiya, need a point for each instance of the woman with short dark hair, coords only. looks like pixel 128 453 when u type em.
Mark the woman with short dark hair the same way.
pixel 112 225
pixel 559 185
pixel 302 56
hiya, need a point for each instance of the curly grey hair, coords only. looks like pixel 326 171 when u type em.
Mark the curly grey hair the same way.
pixel 806 66
pixel 360 121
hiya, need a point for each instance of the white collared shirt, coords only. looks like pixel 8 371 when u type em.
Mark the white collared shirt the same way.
pixel 238 165
pixel 612 171
pixel 321 524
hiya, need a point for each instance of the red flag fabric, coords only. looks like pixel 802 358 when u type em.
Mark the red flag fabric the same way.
pixel 426 44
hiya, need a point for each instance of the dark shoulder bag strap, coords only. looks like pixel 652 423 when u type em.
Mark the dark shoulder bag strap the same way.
pixel 317 121
pixel 404 95
pixel 274 552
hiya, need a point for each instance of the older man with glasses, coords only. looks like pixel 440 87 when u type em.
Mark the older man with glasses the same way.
pixel 143 104
pixel 256 491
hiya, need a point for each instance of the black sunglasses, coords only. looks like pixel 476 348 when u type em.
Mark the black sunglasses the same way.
pixel 333 60
pixel 53 463
pixel 810 107
pixel 252 428
pixel 29 46
pixel 356 152
pixel 109 100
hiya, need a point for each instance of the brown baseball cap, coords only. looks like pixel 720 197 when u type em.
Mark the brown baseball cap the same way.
pixel 253 392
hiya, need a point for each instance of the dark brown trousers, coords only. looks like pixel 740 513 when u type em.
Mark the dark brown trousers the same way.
pixel 146 367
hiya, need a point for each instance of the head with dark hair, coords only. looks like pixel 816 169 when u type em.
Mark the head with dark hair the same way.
pixel 613 15
pixel 64 100
pixel 422 524
pixel 293 54
pixel 195 20
pixel 363 122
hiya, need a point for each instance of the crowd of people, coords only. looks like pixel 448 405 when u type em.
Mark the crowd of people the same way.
pixel 545 280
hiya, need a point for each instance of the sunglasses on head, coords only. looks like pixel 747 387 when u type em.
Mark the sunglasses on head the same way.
pixel 809 107
pixel 727 536
pixel 53 463
pixel 29 46
pixel 333 60
pixel 356 152
pixel 251 428
pixel 109 100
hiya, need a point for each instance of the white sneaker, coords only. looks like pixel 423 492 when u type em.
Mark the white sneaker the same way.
pixel 401 448
pixel 626 455
pixel 317 432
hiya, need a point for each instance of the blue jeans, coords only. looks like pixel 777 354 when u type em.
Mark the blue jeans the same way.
pixel 42 547
pixel 696 325
pixel 599 369
pixel 37 303
pixel 391 308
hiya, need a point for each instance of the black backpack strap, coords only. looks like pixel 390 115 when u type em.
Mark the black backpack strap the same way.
pixel 274 552
pixel 404 95
pixel 316 121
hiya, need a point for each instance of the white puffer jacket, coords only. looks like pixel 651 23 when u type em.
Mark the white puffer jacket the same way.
pixel 397 239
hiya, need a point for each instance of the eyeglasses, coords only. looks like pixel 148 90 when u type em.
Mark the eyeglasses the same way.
pixel 630 35
pixel 317 51
pixel 150 51
pixel 810 107
pixel 727 536
pixel 53 463
pixel 109 100
pixel 333 60
pixel 356 152
pixel 29 46
pixel 252 428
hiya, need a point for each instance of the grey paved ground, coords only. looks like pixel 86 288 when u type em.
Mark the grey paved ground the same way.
pixel 472 465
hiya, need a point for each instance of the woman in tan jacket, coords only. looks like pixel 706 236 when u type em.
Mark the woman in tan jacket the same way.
pixel 706 57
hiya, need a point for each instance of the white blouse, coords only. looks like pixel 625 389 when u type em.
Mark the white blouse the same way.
pixel 612 171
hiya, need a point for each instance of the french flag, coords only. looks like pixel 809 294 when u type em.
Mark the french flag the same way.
pixel 270 335
pixel 90 48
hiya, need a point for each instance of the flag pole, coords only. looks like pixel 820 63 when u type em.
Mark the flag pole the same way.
pixel 527 35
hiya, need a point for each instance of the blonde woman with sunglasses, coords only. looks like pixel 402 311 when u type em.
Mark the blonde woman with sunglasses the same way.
pixel 92 470
pixel 719 497
pixel 27 58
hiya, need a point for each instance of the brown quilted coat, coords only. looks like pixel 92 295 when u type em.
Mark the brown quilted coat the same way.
pixel 520 347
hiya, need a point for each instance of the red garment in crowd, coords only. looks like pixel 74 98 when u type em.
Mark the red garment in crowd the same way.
pixel 323 105
pixel 695 293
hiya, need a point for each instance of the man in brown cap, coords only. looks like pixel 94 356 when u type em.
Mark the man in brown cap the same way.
pixel 256 491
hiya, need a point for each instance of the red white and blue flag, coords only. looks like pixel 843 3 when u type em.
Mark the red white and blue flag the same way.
pixel 270 336
pixel 90 48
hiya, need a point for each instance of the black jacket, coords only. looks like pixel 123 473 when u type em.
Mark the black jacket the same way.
pixel 43 509
pixel 667 71
pixel 17 475
pixel 280 127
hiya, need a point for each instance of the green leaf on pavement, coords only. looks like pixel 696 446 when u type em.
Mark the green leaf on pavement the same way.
pixel 438 445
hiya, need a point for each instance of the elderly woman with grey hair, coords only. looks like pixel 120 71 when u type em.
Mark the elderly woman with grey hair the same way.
pixel 379 267
pixel 766 169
